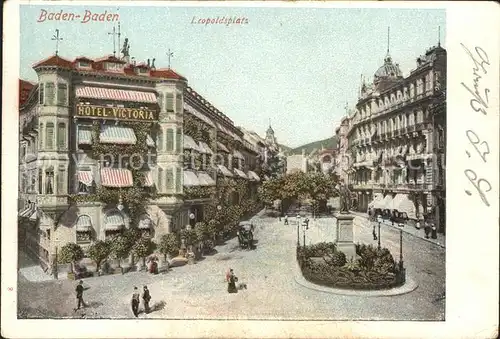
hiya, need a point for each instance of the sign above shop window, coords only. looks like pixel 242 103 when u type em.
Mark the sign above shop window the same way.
pixel 115 113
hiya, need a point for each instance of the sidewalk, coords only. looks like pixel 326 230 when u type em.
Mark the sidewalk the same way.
pixel 419 233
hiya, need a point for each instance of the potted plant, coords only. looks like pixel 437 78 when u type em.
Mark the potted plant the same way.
pixel 71 253
pixel 98 252
pixel 142 248
pixel 120 249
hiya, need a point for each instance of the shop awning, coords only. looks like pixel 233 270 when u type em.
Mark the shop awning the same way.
pixel 407 206
pixel 253 176
pixel 28 211
pixel 149 141
pixel 205 179
pixel 148 179
pixel 377 202
pixel 189 143
pixel 395 202
pixel 204 148
pixel 115 94
pixel 240 173
pixel 197 114
pixel 116 177
pixel 190 179
pixel 145 222
pixel 86 177
pixel 111 134
pixel 225 172
pixel 387 202
pixel 221 147
pixel 113 222
pixel 84 136
pixel 84 223
pixel 237 154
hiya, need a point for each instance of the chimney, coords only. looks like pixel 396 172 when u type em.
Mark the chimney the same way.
pixel 148 63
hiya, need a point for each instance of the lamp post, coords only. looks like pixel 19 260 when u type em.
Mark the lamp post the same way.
pixel 379 219
pixel 298 225
pixel 401 249
pixel 305 227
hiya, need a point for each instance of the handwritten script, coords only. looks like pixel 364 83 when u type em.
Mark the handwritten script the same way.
pixel 479 103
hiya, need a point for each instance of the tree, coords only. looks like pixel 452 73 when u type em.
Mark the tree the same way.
pixel 143 247
pixel 169 244
pixel 120 248
pixel 71 253
pixel 99 251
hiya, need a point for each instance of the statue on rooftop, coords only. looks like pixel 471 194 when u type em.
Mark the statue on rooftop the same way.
pixel 126 48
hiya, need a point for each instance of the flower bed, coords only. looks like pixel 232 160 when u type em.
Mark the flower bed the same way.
pixel 374 269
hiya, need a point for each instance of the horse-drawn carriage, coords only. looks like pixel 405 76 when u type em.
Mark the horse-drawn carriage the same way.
pixel 245 234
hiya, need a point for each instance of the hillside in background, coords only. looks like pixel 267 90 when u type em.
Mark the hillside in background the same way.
pixel 284 148
pixel 328 143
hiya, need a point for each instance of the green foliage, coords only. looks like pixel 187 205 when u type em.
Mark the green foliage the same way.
pixel 189 236
pixel 169 244
pixel 198 192
pixel 70 253
pixel 99 251
pixel 337 259
pixel 320 249
pixel 143 247
pixel 372 258
pixel 120 247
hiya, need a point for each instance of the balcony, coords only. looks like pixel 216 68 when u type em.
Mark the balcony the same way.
pixel 52 201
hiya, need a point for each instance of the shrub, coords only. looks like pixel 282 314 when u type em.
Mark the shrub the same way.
pixel 143 247
pixel 337 258
pixel 120 248
pixel 99 251
pixel 169 244
pixel 320 249
pixel 70 253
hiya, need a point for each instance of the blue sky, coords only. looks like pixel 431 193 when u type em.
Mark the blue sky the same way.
pixel 295 66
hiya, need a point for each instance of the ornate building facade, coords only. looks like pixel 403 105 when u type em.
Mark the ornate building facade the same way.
pixel 395 142
pixel 91 129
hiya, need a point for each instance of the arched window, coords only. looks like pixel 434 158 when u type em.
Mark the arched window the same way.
pixel 49 135
pixel 49 180
pixel 83 229
pixel 113 223
pixel 61 135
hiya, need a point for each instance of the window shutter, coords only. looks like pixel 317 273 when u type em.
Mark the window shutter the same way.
pixel 170 102
pixel 62 94
pixel 170 178
pixel 41 94
pixel 40 139
pixel 159 140
pixel 50 93
pixel 49 135
pixel 178 140
pixel 178 103
pixel 61 176
pixel 178 180
pixel 170 140
pixel 61 135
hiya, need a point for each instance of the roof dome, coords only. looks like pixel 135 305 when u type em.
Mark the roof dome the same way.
pixel 388 70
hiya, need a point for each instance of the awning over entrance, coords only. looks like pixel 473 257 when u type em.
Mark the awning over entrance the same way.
pixel 189 143
pixel 115 94
pixel 395 202
pixel 117 135
pixel 84 136
pixel 190 179
pixel 205 179
pixel 86 177
pixel 377 201
pixel 113 222
pixel 204 148
pixel 221 147
pixel 238 155
pixel 149 141
pixel 28 211
pixel 225 172
pixel 84 223
pixel 240 173
pixel 404 204
pixel 387 201
pixel 116 177
pixel 148 179
pixel 253 176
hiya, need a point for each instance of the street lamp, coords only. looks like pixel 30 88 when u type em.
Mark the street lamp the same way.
pixel 120 204
pixel 305 227
pixel 298 225
pixel 379 220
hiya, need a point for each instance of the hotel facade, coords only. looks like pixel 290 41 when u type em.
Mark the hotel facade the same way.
pixel 392 146
pixel 92 130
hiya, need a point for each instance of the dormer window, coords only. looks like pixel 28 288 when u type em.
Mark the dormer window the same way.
pixel 114 67
pixel 84 64
pixel 142 70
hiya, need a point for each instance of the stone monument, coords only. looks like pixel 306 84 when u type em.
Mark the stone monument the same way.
pixel 344 236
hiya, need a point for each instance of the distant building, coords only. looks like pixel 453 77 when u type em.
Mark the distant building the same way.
pixel 296 163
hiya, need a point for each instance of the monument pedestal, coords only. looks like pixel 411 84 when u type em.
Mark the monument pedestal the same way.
pixel 344 237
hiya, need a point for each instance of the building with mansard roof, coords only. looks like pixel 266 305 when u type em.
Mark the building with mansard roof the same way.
pixel 187 150
pixel 392 147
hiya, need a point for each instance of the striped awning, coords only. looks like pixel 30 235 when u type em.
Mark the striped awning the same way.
pixel 237 154
pixel 205 179
pixel 253 176
pixel 145 222
pixel 85 177
pixel 84 136
pixel 28 211
pixel 225 172
pixel 204 148
pixel 84 223
pixel 115 94
pixel 189 143
pixel 149 141
pixel 198 115
pixel 148 179
pixel 111 134
pixel 240 173
pixel 221 147
pixel 116 177
pixel 113 222
pixel 191 179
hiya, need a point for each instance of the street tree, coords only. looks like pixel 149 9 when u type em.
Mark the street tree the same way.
pixel 70 254
pixel 99 251
pixel 169 245
pixel 142 248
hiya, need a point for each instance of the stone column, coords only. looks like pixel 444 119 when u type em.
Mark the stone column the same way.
pixel 344 236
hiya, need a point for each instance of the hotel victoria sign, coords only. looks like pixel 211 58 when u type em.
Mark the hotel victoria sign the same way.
pixel 115 113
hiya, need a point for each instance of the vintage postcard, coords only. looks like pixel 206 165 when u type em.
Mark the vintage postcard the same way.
pixel 250 169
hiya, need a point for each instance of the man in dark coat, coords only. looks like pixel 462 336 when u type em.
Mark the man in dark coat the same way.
pixel 146 297
pixel 231 282
pixel 135 302
pixel 79 295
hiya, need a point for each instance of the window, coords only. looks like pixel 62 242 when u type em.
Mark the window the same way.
pixel 62 94
pixel 159 140
pixel 49 181
pixel 170 102
pixel 61 135
pixel 412 119
pixel 49 135
pixel 61 178
pixel 40 140
pixel 412 91
pixel 40 181
pixel 178 103
pixel 169 178
pixel 160 179
pixel 50 93
pixel 41 94
pixel 113 67
pixel 170 140
pixel 178 140
pixel 420 117
pixel 178 180
pixel 160 101
pixel 84 64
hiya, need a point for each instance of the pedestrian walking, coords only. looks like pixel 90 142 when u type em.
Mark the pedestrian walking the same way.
pixel 286 219
pixel 231 282
pixel 135 302
pixel 146 297
pixel 79 295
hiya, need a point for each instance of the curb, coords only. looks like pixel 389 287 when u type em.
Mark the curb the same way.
pixel 409 286
pixel 404 230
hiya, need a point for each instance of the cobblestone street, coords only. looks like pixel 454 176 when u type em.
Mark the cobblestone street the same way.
pixel 199 291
